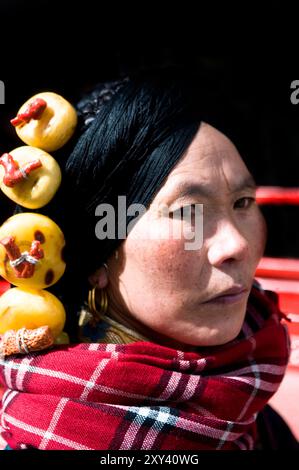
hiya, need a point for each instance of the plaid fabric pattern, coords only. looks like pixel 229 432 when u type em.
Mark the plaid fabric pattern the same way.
pixel 146 396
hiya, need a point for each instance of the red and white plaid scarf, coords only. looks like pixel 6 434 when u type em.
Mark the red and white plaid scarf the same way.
pixel 146 396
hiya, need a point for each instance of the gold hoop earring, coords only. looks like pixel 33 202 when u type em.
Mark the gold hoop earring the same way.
pixel 92 304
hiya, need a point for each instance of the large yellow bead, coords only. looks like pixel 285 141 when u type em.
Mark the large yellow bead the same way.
pixel 39 187
pixel 25 228
pixel 22 308
pixel 54 128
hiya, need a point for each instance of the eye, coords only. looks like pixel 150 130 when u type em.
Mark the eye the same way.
pixel 177 214
pixel 244 203
pixel 183 212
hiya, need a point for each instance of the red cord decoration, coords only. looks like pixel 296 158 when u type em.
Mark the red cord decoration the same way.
pixel 13 173
pixel 34 110
pixel 24 268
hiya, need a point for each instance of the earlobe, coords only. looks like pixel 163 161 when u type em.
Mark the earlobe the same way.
pixel 99 278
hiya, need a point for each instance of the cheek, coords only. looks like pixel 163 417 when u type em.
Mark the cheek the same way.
pixel 161 263
pixel 256 235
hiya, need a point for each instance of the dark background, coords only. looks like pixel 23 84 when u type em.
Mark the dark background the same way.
pixel 66 48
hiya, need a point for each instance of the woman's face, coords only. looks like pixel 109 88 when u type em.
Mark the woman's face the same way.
pixel 193 296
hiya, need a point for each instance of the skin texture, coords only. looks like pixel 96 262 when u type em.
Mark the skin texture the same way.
pixel 164 291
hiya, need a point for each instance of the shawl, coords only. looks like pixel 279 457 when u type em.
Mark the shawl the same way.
pixel 146 396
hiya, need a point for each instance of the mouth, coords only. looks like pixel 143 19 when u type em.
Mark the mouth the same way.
pixel 235 294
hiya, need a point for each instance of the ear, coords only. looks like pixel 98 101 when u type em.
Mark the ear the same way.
pixel 99 278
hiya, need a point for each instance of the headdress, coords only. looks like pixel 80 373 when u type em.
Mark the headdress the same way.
pixel 31 244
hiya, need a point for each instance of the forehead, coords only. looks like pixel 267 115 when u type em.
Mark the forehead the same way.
pixel 211 161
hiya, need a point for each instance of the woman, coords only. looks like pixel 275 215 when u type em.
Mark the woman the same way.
pixel 179 349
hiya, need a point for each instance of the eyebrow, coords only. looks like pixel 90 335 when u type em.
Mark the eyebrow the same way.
pixel 184 189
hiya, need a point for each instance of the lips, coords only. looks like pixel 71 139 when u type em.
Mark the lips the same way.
pixel 234 294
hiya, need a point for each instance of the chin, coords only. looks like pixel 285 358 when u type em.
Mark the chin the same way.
pixel 215 336
pixel 227 329
pixel 224 335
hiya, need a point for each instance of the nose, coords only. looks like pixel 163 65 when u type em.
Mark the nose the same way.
pixel 227 244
